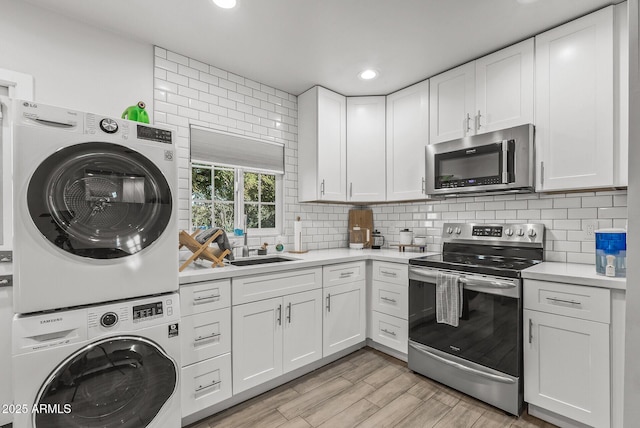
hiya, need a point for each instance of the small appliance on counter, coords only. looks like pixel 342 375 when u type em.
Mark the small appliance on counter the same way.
pixel 360 227
pixel 406 237
pixel 359 237
pixel 611 252
pixel 378 240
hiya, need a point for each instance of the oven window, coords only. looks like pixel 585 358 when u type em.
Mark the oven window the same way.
pixel 488 332
pixel 477 166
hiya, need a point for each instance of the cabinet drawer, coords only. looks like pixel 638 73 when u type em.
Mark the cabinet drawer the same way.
pixel 205 384
pixel 389 331
pixel 395 273
pixel 578 301
pixel 260 287
pixel 343 273
pixel 204 296
pixel 205 335
pixel 390 299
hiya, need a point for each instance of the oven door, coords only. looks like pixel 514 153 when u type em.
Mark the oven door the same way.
pixel 490 326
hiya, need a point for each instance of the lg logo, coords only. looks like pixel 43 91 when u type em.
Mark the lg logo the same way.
pixel 28 104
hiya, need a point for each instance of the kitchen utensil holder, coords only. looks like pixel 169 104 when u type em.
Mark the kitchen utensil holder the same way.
pixel 200 251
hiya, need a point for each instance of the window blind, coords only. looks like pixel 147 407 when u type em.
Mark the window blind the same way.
pixel 223 148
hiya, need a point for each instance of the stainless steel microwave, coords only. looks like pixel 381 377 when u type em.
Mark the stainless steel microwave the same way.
pixel 492 162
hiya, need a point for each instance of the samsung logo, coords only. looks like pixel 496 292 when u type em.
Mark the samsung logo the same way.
pixel 50 320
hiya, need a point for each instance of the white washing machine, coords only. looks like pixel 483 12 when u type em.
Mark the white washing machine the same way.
pixel 113 365
pixel 94 210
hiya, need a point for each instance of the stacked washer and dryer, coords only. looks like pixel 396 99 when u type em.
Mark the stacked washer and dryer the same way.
pixel 95 338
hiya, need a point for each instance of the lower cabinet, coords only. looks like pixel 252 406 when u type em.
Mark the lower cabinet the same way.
pixel 6 317
pixel 274 336
pixel 344 322
pixel 567 346
pixel 205 383
pixel 390 305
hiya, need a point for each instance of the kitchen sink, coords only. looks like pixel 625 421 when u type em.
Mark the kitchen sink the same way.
pixel 260 261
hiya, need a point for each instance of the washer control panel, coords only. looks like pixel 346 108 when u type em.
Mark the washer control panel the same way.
pixel 109 319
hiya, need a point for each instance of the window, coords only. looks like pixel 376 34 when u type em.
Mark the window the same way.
pixel 221 196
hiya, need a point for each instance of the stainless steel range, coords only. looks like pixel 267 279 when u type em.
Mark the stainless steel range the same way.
pixel 476 347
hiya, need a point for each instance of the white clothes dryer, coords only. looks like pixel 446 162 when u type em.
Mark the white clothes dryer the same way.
pixel 94 211
pixel 114 365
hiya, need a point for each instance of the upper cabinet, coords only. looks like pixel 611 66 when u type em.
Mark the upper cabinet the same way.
pixel 366 149
pixel 576 144
pixel 322 146
pixel 491 93
pixel 407 137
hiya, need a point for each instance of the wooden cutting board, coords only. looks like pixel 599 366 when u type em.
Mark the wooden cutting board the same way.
pixel 364 219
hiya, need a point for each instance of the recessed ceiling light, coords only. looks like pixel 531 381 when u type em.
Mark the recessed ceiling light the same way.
pixel 368 74
pixel 225 4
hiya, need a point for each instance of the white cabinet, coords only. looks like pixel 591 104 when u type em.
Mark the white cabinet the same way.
pixel 575 104
pixel 567 351
pixel 322 146
pixel 205 342
pixel 6 317
pixel 6 192
pixel 302 322
pixel 344 322
pixel 407 138
pixel 366 149
pixel 390 305
pixel 491 93
pixel 452 101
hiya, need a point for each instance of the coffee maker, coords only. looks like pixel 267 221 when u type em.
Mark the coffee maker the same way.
pixel 359 237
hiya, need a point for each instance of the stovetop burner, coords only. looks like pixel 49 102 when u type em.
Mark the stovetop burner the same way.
pixel 504 252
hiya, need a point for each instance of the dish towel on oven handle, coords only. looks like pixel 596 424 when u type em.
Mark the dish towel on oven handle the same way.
pixel 448 299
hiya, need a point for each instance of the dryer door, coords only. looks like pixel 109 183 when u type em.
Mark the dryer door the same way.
pixel 99 200
pixel 118 382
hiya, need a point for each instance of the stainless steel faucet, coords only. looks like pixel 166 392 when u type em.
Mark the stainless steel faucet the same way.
pixel 245 247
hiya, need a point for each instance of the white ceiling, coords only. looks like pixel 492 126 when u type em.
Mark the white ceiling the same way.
pixel 295 44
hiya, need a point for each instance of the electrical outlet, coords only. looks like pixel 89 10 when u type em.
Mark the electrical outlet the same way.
pixel 589 228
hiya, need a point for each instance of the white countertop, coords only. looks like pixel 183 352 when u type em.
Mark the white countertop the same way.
pixel 573 273
pixel 202 271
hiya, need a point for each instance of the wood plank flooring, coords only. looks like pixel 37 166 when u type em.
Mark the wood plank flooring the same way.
pixel 365 389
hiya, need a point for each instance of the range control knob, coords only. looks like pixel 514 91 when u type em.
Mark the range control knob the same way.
pixel 521 232
pixel 458 231
pixel 449 230
pixel 508 232
pixel 531 233
pixel 109 125
pixel 109 319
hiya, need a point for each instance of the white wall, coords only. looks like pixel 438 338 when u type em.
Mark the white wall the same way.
pixel 74 65
pixel 632 339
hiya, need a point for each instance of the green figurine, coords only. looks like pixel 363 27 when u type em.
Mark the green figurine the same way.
pixel 136 113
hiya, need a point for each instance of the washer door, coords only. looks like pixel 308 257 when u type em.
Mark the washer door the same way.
pixel 99 200
pixel 118 382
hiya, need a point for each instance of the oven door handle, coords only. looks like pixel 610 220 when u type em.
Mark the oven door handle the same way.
pixel 461 366
pixel 431 275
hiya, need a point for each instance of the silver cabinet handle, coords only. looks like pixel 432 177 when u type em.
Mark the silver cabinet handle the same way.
pixel 328 302
pixel 386 272
pixel 322 188
pixel 530 330
pixel 200 339
pixel 392 333
pixel 200 388
pixel 351 190
pixel 386 299
pixel 197 300
pixel 279 315
pixel 478 125
pixel 556 300
pixel 423 184
pixel 542 173
pixel 468 126
pixel 345 274
pixel 289 313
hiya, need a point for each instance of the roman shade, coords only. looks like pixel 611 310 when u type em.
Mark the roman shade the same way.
pixel 223 148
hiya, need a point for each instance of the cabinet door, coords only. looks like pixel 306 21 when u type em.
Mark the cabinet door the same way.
pixel 6 316
pixel 344 317
pixel 407 138
pixel 332 146
pixel 257 343
pixel 205 335
pixel 504 88
pixel 566 367
pixel 451 104
pixel 205 383
pixel 366 149
pixel 302 331
pixel 574 104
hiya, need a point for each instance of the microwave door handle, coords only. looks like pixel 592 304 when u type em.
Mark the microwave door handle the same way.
pixel 505 161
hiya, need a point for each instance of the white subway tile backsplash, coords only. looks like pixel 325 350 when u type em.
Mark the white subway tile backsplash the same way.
pixel 189 91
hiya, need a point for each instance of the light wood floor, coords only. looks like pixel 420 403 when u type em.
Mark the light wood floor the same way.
pixel 365 389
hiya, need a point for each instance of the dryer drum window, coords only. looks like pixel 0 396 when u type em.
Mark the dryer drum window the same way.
pixel 118 382
pixel 99 200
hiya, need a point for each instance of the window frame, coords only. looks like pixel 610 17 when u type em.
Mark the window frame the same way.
pixel 239 197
